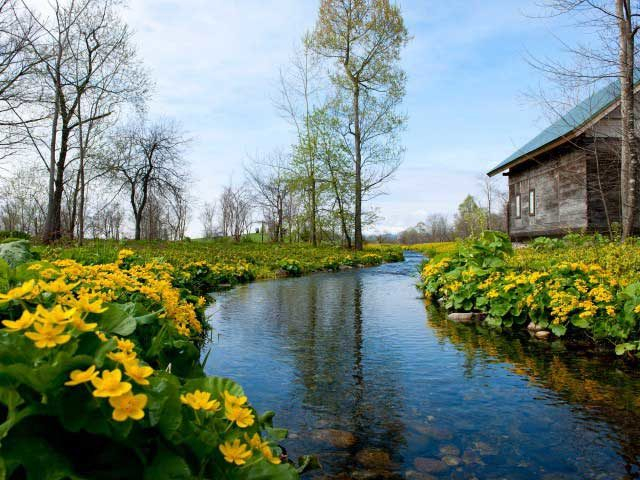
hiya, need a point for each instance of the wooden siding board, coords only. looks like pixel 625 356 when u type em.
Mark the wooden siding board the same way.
pixel 561 194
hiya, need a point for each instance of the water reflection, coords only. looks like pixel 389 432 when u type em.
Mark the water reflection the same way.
pixel 362 377
pixel 601 388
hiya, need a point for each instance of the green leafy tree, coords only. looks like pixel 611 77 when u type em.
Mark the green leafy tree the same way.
pixel 364 39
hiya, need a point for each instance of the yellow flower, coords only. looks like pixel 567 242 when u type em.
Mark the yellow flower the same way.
pixel 18 293
pixel 82 326
pixel 89 304
pixel 110 384
pixel 241 416
pixel 138 373
pixel 57 286
pixel 122 357
pixel 125 345
pixel 231 400
pixel 57 315
pixel 25 321
pixel 102 336
pixel 255 442
pixel 128 405
pixel 199 400
pixel 82 376
pixel 268 454
pixel 48 335
pixel 235 452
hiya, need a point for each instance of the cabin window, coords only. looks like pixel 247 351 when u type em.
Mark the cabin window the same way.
pixel 532 202
pixel 518 206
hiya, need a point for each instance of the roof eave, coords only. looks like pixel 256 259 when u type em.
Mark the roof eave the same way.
pixel 559 141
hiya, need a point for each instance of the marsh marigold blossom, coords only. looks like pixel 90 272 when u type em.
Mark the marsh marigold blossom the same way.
pixel 242 417
pixel 24 322
pixel 235 452
pixel 47 335
pixel 199 400
pixel 138 373
pixel 128 406
pixel 18 293
pixel 110 384
pixel 81 376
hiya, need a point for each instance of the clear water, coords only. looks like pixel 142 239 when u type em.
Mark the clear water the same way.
pixel 357 367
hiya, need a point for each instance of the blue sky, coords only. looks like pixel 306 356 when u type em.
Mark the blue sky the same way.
pixel 216 64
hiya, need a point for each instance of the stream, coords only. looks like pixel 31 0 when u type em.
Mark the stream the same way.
pixel 378 385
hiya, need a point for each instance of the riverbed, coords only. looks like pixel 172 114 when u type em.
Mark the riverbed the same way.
pixel 379 385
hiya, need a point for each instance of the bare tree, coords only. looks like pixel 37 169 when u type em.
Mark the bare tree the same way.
pixel 18 31
pixel 147 158
pixel 84 51
pixel 208 219
pixel 272 188
pixel 235 211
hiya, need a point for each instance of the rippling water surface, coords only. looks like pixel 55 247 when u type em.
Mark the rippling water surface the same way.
pixel 379 386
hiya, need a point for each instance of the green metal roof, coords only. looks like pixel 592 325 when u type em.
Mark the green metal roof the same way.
pixel 580 115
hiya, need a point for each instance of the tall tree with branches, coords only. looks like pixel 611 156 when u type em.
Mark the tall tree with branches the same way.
pixel 365 38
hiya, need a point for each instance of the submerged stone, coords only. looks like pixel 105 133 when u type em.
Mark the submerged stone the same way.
pixel 484 449
pixel 373 458
pixel 461 317
pixel 415 475
pixel 449 450
pixel 543 334
pixel 337 438
pixel 429 465
pixel 375 475
pixel 451 460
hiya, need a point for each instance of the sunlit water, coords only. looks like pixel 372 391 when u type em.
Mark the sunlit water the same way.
pixel 358 352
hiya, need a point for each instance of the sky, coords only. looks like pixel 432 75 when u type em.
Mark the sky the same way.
pixel 216 63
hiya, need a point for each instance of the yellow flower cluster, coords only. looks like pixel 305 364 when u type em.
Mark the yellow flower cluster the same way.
pixel 109 384
pixel 109 283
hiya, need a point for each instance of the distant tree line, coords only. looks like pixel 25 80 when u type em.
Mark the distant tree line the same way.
pixel 486 211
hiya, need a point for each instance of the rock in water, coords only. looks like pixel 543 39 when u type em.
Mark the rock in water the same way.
pixel 429 465
pixel 543 334
pixel 337 438
pixel 413 475
pixel 461 317
pixel 449 450
pixel 373 458
pixel 534 327
pixel 451 460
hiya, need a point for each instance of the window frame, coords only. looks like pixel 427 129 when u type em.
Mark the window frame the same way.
pixel 518 205
pixel 532 204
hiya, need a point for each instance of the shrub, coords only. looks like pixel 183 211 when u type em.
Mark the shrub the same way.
pixel 578 284
pixel 15 234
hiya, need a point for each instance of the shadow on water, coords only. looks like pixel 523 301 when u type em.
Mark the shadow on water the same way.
pixel 379 387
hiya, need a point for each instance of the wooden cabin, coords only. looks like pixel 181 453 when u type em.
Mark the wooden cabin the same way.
pixel 567 178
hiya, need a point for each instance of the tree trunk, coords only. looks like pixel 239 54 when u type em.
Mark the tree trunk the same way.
pixel 628 168
pixel 314 207
pixel 358 168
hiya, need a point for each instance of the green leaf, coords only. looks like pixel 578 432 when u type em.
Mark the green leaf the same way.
pixel 558 330
pixel 118 319
pixel 576 321
pixel 214 385
pixel 166 465
pixel 268 471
